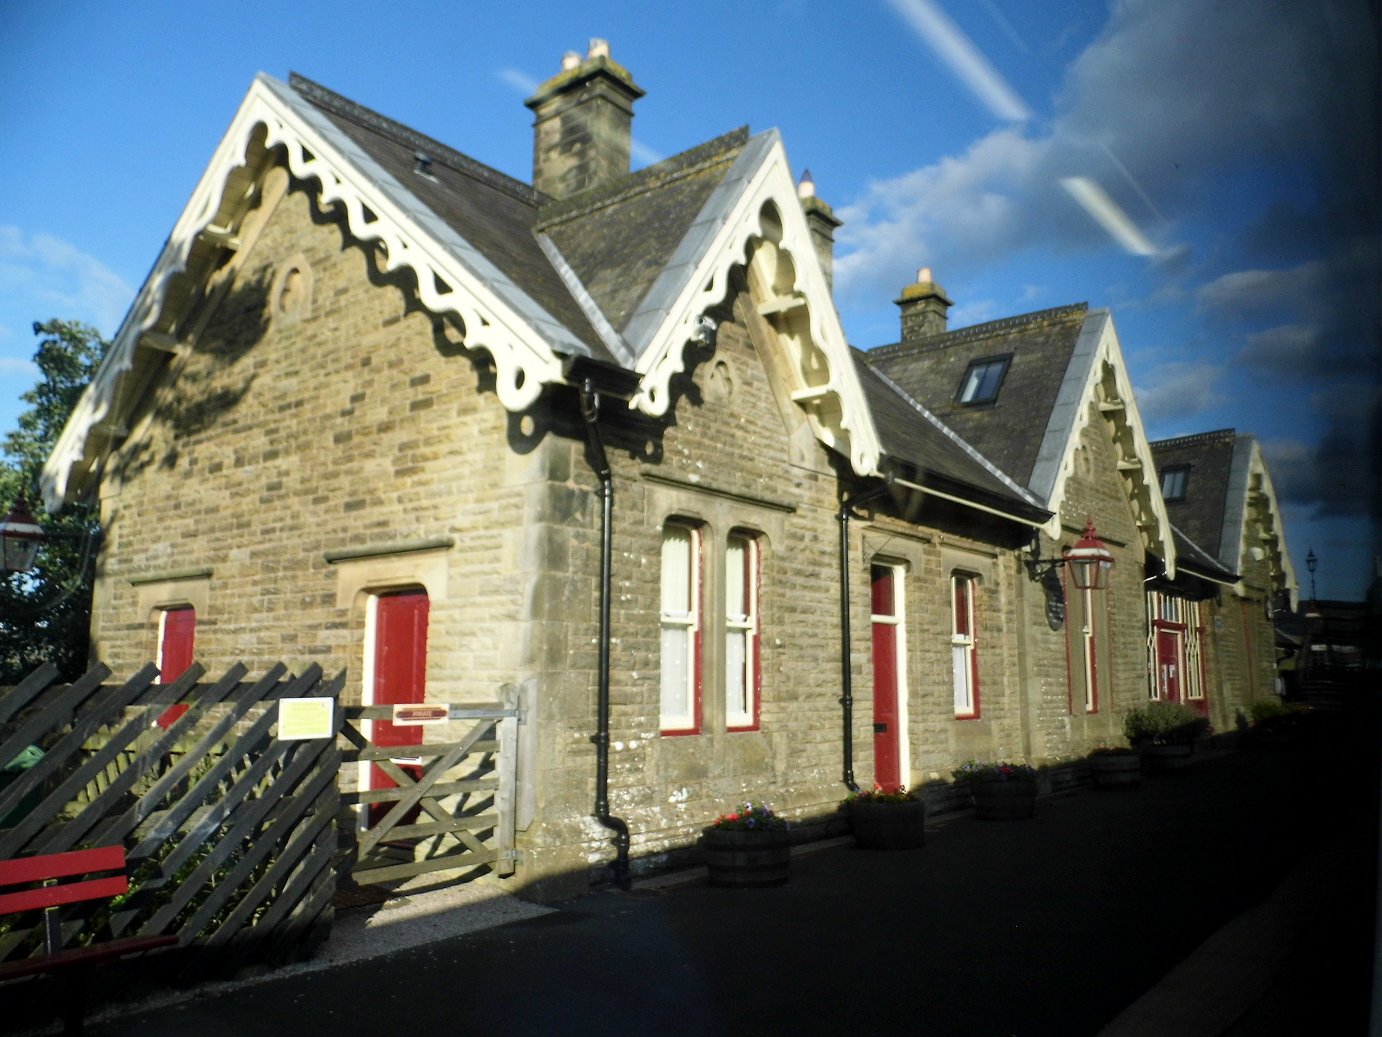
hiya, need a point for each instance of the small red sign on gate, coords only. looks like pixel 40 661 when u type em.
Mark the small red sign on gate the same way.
pixel 419 713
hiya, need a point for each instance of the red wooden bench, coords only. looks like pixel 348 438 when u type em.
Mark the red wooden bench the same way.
pixel 47 882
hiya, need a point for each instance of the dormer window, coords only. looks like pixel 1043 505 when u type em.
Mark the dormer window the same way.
pixel 1173 482
pixel 982 380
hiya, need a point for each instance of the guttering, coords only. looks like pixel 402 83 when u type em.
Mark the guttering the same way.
pixel 1034 523
pixel 847 506
pixel 590 413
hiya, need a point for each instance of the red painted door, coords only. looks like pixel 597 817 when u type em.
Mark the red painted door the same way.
pixel 177 637
pixel 400 678
pixel 887 756
pixel 1168 665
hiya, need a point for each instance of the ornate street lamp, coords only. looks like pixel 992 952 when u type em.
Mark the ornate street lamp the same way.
pixel 1311 562
pixel 1090 561
pixel 20 538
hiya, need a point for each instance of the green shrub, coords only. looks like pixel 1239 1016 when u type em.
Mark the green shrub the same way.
pixel 1164 723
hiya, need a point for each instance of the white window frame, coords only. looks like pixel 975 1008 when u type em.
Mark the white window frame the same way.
pixel 679 707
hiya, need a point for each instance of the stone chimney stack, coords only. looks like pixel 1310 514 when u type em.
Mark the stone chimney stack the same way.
pixel 823 222
pixel 582 125
pixel 924 307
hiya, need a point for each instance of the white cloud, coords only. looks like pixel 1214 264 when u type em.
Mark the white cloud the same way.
pixel 519 80
pixel 1178 391
pixel 42 276
pixel 1284 349
pixel 1172 105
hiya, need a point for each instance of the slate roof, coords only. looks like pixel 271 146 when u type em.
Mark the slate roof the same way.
pixel 615 241
pixel 1007 432
pixel 1209 457
pixel 493 212
pixel 619 237
pixel 913 437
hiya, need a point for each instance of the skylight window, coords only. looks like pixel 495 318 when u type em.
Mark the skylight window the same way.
pixel 982 380
pixel 1173 482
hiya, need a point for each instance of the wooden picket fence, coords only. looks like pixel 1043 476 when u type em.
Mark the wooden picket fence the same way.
pixel 230 831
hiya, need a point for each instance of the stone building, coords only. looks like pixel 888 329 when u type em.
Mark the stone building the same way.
pixel 1219 494
pixel 601 437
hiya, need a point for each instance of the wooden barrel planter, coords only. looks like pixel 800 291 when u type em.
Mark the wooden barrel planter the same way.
pixel 745 859
pixel 1004 800
pixel 1115 771
pixel 888 826
pixel 1173 758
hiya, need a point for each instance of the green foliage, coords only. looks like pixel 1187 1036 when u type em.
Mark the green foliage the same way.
pixel 1164 723
pixel 45 615
pixel 998 770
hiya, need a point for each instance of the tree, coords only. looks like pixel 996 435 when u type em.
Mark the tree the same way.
pixel 45 615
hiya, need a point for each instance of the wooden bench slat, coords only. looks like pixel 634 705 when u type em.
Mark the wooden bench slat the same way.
pixel 66 893
pixel 57 865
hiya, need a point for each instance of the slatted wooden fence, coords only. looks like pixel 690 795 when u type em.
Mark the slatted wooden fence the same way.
pixel 229 830
pixel 450 810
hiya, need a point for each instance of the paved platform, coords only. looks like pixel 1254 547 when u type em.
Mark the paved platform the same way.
pixel 1237 899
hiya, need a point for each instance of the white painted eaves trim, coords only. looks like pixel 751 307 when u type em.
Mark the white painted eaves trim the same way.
pixel 498 316
pixel 1234 548
pixel 1097 349
pixel 696 279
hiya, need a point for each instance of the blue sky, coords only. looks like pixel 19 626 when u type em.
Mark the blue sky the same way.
pixel 1207 171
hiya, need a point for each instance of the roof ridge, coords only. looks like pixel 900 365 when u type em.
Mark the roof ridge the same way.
pixel 337 104
pixel 659 174
pixel 1198 437
pixel 993 327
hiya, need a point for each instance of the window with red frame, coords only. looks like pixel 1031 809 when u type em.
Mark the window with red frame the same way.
pixel 743 681
pixel 681 630
pixel 964 649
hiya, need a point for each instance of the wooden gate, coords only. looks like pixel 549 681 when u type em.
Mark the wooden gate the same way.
pixel 229 830
pixel 451 805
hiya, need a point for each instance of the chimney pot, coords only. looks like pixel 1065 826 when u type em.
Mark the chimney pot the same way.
pixel 924 306
pixel 821 221
pixel 582 126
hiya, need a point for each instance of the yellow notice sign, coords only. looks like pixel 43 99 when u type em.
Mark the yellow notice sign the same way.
pixel 305 718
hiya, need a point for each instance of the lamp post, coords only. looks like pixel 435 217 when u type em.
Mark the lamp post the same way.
pixel 1311 562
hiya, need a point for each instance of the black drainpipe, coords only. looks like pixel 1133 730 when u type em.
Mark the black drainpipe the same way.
pixel 847 507
pixel 590 411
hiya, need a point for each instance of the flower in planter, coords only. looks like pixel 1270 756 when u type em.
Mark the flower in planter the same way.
pixel 751 817
pixel 878 794
pixel 1001 770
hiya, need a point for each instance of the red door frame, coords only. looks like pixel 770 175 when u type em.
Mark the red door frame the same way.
pixel 398 677
pixel 887 748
